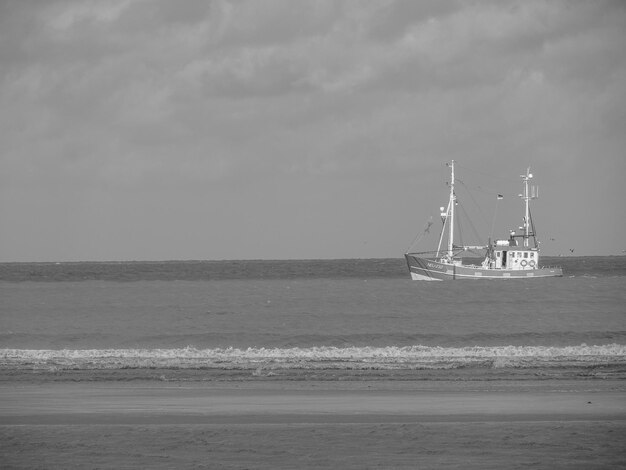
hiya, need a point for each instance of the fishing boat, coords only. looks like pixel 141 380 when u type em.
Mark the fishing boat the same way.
pixel 511 258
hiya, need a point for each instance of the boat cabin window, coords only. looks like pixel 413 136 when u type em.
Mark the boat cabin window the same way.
pixel 525 254
pixel 532 254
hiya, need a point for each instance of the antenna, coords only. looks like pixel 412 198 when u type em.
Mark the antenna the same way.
pixel 534 192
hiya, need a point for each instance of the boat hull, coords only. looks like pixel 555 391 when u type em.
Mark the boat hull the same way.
pixel 432 270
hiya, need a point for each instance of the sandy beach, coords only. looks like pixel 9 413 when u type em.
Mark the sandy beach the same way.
pixel 314 424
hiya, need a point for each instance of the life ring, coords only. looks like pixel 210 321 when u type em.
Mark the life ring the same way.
pixel 524 263
pixel 532 263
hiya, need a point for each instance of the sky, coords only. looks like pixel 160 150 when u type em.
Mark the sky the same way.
pixel 301 129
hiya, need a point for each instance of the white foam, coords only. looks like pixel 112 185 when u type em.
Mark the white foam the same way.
pixel 390 357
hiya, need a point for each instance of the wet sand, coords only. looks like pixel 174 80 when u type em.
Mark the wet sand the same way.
pixel 313 424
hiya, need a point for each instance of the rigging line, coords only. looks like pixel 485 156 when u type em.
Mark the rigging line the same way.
pixel 493 222
pixel 483 189
pixel 475 232
pixel 458 225
pixel 532 227
pixel 459 250
pixel 421 235
pixel 424 252
pixel 485 174
pixel 482 214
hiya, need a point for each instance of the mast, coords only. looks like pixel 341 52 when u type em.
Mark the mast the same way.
pixel 448 218
pixel 526 196
pixel 451 212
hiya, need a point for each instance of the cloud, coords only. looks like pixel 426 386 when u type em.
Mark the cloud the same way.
pixel 145 95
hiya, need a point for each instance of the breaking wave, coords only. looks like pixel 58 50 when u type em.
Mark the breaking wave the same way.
pixel 360 358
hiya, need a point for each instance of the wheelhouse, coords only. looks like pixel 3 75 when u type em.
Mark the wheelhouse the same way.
pixel 515 258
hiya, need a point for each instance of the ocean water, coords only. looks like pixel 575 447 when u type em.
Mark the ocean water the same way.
pixel 308 315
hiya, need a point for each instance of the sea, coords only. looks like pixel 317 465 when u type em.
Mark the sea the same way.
pixel 298 319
